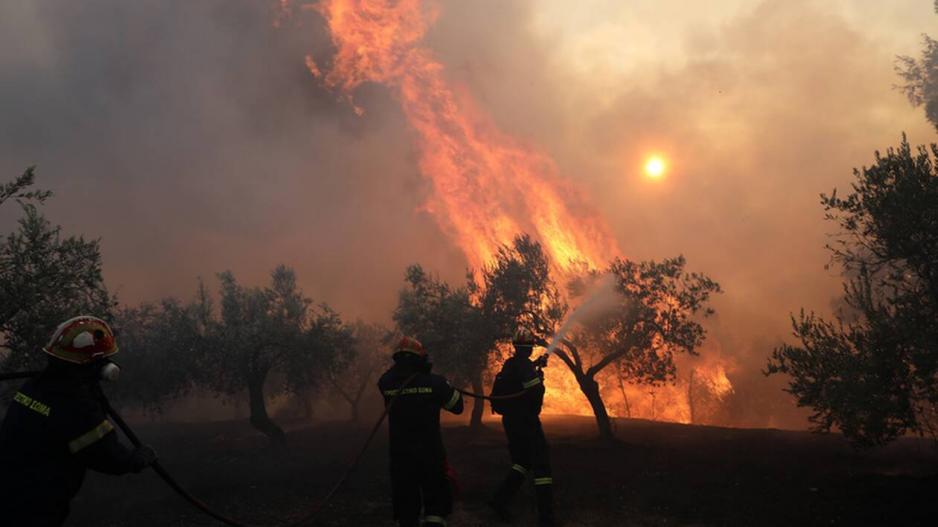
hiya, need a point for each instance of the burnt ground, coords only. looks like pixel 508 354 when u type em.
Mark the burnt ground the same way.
pixel 661 474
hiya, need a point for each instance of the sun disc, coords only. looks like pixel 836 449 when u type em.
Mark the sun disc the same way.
pixel 655 167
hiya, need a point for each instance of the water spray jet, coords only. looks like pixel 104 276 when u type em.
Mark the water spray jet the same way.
pixel 599 299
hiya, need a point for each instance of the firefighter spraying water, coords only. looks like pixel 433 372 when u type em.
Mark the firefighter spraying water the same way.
pixel 518 395
pixel 527 445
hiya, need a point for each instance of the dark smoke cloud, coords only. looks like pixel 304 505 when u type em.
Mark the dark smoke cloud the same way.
pixel 190 137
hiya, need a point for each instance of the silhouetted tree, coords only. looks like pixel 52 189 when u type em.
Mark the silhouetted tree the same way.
pixel 449 325
pixel 327 345
pixel 20 189
pixel 652 319
pixel 873 373
pixel 161 345
pixel 462 326
pixel 354 371
pixel 921 78
pixel 270 329
pixel 45 278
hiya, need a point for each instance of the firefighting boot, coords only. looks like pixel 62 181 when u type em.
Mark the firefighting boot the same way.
pixel 506 491
pixel 544 491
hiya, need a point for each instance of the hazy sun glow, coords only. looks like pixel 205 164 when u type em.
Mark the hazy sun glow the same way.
pixel 655 167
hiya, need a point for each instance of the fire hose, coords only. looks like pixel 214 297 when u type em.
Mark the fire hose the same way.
pixel 205 508
pixel 201 505
pixel 540 361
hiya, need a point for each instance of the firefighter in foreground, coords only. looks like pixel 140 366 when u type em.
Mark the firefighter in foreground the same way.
pixel 520 417
pixel 418 458
pixel 56 428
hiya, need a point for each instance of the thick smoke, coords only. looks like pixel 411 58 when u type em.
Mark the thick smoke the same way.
pixel 191 138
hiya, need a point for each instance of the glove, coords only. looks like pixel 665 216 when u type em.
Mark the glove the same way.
pixel 541 361
pixel 142 457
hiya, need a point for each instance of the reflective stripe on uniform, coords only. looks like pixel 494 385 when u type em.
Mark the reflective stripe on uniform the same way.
pixel 543 481
pixel 520 469
pixel 435 520
pixel 533 382
pixel 90 437
pixel 408 391
pixel 452 401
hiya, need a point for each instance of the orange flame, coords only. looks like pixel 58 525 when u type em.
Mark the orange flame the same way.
pixel 487 187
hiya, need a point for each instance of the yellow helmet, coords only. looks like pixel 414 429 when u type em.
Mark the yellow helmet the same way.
pixel 81 340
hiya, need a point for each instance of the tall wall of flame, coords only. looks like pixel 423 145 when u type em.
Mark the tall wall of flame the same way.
pixel 486 185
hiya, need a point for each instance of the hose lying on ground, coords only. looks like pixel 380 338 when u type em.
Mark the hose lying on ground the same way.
pixel 158 468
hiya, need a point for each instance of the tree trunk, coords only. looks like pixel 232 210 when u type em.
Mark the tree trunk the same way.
pixel 259 418
pixel 625 397
pixel 590 389
pixel 309 410
pixel 690 398
pixel 478 405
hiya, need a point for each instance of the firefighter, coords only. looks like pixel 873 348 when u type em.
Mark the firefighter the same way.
pixel 527 445
pixel 414 397
pixel 56 428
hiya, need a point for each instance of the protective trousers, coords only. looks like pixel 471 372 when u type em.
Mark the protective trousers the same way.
pixel 529 453
pixel 413 477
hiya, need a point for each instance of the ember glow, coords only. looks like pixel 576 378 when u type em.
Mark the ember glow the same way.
pixel 486 186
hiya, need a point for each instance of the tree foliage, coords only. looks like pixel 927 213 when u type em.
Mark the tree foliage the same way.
pixel 872 372
pixel 357 366
pixel 267 330
pixel 920 77
pixel 45 278
pixel 655 315
pixel 161 345
pixel 462 326
pixel 20 189
pixel 443 318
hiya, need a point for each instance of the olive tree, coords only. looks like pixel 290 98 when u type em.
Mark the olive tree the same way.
pixel 654 316
pixel 45 278
pixel 872 370
pixel 269 330
pixel 463 325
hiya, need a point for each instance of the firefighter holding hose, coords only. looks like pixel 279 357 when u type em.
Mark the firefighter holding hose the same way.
pixel 527 444
pixel 414 397
pixel 56 428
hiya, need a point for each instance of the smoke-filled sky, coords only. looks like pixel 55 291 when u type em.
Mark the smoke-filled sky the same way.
pixel 190 138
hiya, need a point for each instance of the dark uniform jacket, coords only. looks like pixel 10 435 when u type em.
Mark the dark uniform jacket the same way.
pixel 54 430
pixel 525 376
pixel 414 417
